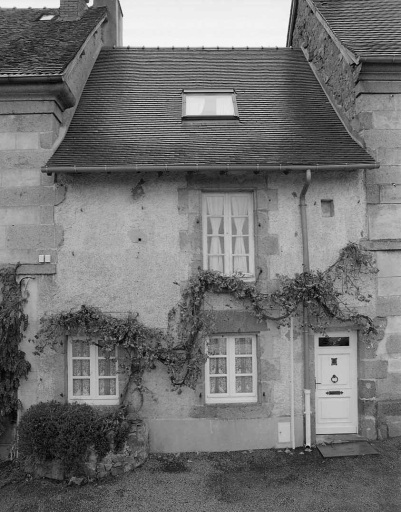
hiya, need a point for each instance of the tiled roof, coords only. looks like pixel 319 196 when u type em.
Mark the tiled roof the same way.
pixel 32 47
pixel 366 27
pixel 130 111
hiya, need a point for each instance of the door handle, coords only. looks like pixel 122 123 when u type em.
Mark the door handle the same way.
pixel 334 392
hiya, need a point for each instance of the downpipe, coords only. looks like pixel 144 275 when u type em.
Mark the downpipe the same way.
pixel 306 268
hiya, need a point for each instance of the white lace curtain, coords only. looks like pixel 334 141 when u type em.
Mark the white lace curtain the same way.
pixel 239 205
pixel 215 207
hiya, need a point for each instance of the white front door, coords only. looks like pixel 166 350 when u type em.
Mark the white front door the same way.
pixel 336 383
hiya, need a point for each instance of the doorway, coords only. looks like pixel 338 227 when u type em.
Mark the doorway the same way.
pixel 336 383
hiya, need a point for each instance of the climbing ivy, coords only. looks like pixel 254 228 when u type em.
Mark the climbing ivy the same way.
pixel 328 295
pixel 13 366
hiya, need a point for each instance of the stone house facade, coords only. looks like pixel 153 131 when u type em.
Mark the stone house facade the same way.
pixel 354 50
pixel 191 158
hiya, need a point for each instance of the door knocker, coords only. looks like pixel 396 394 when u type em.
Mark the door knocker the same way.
pixel 334 379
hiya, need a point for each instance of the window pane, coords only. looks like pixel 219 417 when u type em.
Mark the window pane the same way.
pixel 244 384
pixel 107 386
pixel 243 365
pixel 240 226
pixel 217 346
pixel 107 353
pixel 81 367
pixel 80 348
pixel 107 367
pixel 240 245
pixel 243 346
pixel 209 105
pixel 241 264
pixel 81 387
pixel 215 226
pixel 218 365
pixel 218 384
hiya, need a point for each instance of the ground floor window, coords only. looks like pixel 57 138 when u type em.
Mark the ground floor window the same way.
pixel 231 369
pixel 92 374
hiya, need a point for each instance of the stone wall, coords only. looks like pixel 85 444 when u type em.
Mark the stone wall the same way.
pixel 374 118
pixel 30 130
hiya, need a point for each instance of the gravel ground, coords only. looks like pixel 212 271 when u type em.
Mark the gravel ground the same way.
pixel 260 480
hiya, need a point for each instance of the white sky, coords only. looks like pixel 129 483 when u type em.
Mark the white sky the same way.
pixel 196 22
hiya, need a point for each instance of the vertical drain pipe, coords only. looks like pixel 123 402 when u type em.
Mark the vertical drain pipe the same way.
pixel 306 268
pixel 292 383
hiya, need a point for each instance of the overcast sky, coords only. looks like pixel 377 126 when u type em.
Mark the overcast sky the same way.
pixel 196 22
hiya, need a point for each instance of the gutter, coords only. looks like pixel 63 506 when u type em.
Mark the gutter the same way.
pixel 76 169
pixel 381 59
pixel 306 268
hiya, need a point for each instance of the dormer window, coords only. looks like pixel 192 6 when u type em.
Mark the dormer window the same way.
pixel 215 104
pixel 47 17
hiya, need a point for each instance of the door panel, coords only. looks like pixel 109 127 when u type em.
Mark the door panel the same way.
pixel 336 383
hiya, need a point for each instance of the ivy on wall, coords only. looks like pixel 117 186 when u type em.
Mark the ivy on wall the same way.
pixel 13 365
pixel 329 295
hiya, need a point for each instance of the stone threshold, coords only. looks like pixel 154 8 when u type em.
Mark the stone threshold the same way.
pixel 338 438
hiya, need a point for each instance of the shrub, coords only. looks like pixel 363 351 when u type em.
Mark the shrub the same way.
pixel 50 430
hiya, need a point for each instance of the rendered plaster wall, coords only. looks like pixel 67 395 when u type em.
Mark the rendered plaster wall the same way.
pixel 131 241
pixel 375 118
pixel 30 131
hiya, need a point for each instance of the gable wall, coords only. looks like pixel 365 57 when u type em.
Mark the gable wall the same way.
pixel 375 117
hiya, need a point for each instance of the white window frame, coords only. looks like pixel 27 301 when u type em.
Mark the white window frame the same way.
pixel 94 398
pixel 232 396
pixel 213 92
pixel 228 254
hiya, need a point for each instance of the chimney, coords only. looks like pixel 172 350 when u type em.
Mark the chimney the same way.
pixel 113 29
pixel 72 10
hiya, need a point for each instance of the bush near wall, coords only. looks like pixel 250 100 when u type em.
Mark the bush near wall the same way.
pixel 58 440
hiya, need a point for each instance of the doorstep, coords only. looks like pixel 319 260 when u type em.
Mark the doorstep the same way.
pixel 338 438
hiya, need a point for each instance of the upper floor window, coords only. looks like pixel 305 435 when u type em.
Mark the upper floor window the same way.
pixel 92 374
pixel 228 232
pixel 209 105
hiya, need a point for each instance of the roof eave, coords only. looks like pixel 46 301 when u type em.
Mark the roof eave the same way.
pixel 76 169
pixel 41 87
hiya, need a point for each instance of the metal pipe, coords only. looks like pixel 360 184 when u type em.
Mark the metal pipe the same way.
pixel 76 169
pixel 292 384
pixel 306 268
pixel 381 59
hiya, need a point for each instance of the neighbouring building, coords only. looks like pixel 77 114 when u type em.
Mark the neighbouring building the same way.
pixel 124 170
pixel 46 56
pixel 354 49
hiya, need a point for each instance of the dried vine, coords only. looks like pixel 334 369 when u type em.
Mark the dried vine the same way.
pixel 13 366
pixel 328 294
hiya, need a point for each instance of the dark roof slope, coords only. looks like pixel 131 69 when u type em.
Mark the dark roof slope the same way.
pixel 130 111
pixel 32 47
pixel 366 27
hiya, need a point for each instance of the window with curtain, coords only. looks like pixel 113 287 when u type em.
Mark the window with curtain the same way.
pixel 92 373
pixel 228 233
pixel 231 369
pixel 209 104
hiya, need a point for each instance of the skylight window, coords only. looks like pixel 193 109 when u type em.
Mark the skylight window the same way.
pixel 209 105
pixel 46 17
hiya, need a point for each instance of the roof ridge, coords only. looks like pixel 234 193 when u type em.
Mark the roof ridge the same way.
pixel 205 48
